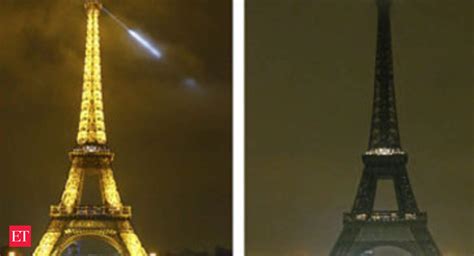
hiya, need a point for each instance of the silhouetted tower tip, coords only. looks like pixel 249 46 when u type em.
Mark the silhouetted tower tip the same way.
pixel 383 3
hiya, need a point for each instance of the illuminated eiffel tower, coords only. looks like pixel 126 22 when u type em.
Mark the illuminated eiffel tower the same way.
pixel 70 220
pixel 365 228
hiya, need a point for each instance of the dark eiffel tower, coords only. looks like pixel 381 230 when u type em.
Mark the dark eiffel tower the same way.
pixel 365 228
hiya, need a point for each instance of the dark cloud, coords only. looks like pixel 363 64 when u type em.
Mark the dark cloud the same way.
pixel 172 144
pixel 309 94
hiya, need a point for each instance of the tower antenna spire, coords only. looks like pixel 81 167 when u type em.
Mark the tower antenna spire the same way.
pixel 96 4
pixel 383 3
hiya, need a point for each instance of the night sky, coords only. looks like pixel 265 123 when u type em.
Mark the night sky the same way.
pixel 310 69
pixel 168 121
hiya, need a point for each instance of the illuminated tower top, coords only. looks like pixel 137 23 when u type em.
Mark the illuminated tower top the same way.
pixel 89 4
pixel 384 133
pixel 91 123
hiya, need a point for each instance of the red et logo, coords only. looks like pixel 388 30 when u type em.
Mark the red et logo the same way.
pixel 20 236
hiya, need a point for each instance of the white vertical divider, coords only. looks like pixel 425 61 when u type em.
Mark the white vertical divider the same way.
pixel 238 128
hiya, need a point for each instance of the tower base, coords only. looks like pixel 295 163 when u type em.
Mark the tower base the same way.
pixel 362 232
pixel 116 232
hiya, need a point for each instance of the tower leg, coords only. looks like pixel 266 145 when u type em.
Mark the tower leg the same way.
pixel 109 189
pixel 365 197
pixel 425 241
pixel 345 240
pixel 405 196
pixel 49 239
pixel 133 244
pixel 73 190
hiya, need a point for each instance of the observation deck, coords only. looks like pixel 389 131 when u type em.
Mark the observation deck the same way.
pixel 91 212
pixel 385 217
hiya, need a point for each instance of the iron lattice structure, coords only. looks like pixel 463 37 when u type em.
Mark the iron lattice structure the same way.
pixel 365 228
pixel 70 220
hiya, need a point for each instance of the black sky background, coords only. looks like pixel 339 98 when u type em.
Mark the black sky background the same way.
pixel 172 141
pixel 309 74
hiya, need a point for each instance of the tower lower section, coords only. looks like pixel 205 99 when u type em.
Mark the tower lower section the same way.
pixel 366 228
pixel 108 221
pixel 363 232
pixel 90 222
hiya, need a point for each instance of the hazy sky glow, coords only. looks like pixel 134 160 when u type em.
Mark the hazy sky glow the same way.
pixel 172 144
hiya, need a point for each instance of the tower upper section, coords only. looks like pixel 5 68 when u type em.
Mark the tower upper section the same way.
pixel 384 133
pixel 91 123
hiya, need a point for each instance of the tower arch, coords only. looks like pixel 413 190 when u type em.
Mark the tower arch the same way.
pixel 107 239
pixel 388 249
